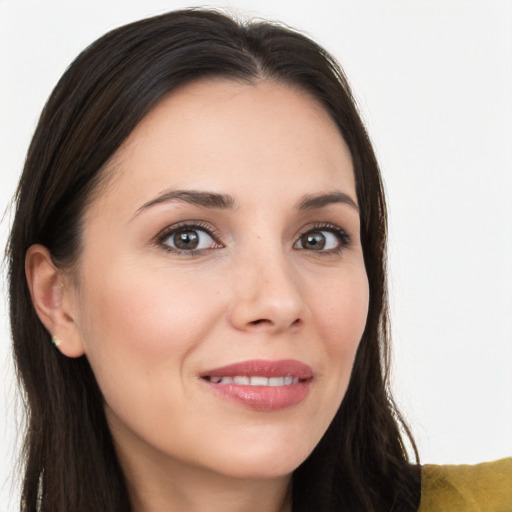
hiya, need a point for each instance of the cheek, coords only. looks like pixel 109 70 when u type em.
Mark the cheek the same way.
pixel 141 306
pixel 139 324
pixel 342 310
pixel 341 314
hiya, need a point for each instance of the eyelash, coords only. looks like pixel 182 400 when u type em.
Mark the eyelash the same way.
pixel 343 237
pixel 192 226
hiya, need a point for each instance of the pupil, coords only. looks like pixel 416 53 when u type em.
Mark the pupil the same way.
pixel 313 241
pixel 186 240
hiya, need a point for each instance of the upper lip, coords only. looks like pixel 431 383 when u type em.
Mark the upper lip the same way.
pixel 263 368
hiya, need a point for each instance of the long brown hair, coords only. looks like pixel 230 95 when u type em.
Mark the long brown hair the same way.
pixel 69 459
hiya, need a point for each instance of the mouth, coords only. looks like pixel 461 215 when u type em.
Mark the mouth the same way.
pixel 260 384
pixel 242 380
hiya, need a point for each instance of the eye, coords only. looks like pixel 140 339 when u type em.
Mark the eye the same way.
pixel 188 238
pixel 323 239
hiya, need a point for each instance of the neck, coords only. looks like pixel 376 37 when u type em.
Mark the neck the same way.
pixel 199 496
pixel 194 491
pixel 160 485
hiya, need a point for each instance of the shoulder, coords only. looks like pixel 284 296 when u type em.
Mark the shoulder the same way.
pixel 483 487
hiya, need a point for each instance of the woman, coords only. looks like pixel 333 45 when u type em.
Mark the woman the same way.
pixel 200 230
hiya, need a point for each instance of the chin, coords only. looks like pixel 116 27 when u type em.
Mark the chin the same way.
pixel 266 461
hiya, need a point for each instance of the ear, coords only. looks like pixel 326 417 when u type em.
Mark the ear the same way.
pixel 51 296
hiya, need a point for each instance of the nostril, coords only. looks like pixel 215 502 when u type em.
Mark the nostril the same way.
pixel 296 323
pixel 258 322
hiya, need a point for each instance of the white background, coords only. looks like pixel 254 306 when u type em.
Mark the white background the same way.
pixel 434 83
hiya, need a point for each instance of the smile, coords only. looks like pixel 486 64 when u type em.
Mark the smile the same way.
pixel 261 385
pixel 243 380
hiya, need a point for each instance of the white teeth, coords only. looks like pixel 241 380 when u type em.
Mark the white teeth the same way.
pixel 276 381
pixel 259 381
pixel 243 380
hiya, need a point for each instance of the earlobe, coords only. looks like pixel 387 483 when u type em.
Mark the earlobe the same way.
pixel 49 290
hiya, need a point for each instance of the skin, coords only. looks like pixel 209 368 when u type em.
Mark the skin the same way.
pixel 150 320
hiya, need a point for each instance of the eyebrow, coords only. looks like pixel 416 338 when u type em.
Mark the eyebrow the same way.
pixel 204 199
pixel 315 201
pixel 225 201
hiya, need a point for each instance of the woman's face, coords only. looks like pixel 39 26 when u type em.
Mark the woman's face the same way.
pixel 222 290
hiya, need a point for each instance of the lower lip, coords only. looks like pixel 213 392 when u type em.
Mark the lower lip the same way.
pixel 263 398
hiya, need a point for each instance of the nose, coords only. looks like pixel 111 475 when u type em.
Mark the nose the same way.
pixel 267 295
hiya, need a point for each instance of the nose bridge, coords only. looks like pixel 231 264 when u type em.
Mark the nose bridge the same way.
pixel 267 291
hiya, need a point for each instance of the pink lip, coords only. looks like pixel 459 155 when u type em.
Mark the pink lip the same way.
pixel 263 398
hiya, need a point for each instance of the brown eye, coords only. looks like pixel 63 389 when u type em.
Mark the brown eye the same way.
pixel 313 240
pixel 186 239
pixel 332 238
pixel 189 239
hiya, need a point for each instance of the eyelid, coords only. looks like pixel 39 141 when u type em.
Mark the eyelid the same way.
pixel 193 225
pixel 344 238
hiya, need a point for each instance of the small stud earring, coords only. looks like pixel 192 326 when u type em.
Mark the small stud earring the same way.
pixel 56 341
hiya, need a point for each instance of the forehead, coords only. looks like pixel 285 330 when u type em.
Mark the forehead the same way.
pixel 226 136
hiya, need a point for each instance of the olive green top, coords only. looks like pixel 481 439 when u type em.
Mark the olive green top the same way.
pixel 484 487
